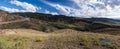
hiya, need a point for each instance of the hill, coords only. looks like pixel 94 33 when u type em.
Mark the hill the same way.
pixel 4 17
pixel 56 22
pixel 45 31
pixel 105 20
pixel 50 23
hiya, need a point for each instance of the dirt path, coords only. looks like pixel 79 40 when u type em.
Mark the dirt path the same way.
pixel 24 32
pixel 22 20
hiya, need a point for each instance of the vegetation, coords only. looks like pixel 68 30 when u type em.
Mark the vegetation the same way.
pixel 50 23
pixel 45 31
pixel 39 39
pixel 71 39
pixel 61 39
pixel 13 42
pixel 55 22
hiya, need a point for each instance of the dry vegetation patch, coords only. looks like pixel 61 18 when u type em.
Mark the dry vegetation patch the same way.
pixel 61 39
pixel 68 39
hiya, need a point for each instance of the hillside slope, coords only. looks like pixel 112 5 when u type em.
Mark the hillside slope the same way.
pixel 105 20
pixel 4 16
pixel 56 22
pixel 50 23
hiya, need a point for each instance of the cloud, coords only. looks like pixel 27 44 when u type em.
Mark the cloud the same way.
pixel 102 8
pixel 53 13
pixel 11 9
pixel 89 8
pixel 62 9
pixel 26 6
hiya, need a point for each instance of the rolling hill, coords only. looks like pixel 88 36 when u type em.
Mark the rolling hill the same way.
pixel 45 31
pixel 105 20
pixel 56 22
pixel 50 23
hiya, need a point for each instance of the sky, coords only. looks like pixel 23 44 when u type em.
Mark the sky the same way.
pixel 76 8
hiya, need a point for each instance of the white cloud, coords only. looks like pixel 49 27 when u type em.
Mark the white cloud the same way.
pixel 46 11
pixel 53 13
pixel 113 12
pixel 11 9
pixel 26 6
pixel 58 7
pixel 103 8
pixel 90 8
pixel 62 9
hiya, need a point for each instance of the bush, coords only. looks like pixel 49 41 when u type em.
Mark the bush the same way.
pixel 39 39
pixel 85 41
pixel 84 38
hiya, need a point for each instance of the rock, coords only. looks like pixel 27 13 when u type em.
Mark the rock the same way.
pixel 105 40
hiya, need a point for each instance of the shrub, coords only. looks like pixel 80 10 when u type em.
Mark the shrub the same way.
pixel 39 39
pixel 84 38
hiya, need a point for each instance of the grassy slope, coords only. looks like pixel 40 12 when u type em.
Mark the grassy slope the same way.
pixel 54 22
pixel 61 39
pixel 39 22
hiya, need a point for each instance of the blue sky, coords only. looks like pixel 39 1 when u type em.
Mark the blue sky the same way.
pixel 77 8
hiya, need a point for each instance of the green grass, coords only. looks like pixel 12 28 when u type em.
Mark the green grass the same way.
pixel 13 42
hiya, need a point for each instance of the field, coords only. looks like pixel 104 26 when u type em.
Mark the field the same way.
pixel 61 39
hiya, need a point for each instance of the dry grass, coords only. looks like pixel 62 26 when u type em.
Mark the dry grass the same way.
pixel 71 39
pixel 61 39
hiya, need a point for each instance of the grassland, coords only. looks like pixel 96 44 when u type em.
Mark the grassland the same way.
pixel 61 39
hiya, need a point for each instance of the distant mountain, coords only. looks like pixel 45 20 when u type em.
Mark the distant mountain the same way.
pixel 105 20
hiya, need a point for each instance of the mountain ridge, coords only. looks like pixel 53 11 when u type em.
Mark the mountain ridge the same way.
pixel 49 23
pixel 82 24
